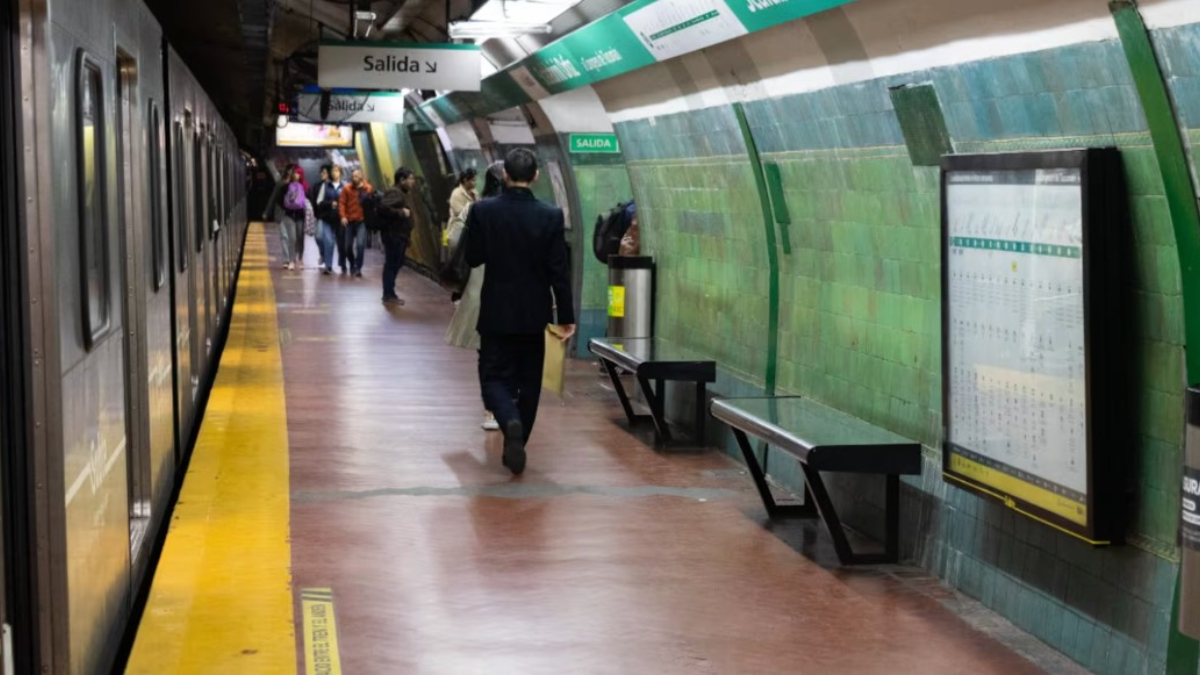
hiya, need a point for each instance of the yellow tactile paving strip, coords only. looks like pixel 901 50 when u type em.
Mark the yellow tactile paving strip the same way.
pixel 221 599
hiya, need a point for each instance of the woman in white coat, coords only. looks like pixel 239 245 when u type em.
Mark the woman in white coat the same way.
pixel 461 332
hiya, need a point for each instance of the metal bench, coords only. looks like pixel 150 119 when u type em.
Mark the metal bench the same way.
pixel 653 359
pixel 823 439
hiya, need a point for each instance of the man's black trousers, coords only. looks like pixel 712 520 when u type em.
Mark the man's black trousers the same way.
pixel 510 373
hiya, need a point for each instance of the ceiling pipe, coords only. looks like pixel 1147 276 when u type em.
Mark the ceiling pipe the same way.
pixel 404 13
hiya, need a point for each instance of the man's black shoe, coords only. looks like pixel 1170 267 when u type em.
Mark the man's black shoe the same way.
pixel 514 447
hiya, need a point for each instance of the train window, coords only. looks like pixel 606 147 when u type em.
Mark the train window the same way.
pixel 221 183
pixel 93 216
pixel 213 204
pixel 198 186
pixel 158 254
pixel 180 198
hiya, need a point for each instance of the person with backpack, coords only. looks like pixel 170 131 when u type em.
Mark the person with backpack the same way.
pixel 611 229
pixel 325 201
pixel 461 332
pixel 350 205
pixel 631 241
pixel 395 228
pixel 307 223
pixel 290 213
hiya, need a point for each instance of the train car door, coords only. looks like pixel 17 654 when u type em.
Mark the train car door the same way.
pixel 194 336
pixel 137 463
pixel 16 557
pixel 200 231
pixel 196 218
pixel 184 366
pixel 214 229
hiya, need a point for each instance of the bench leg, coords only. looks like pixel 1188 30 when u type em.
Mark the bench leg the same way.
pixel 892 514
pixel 616 381
pixel 833 524
pixel 656 401
pixel 774 510
pixel 701 395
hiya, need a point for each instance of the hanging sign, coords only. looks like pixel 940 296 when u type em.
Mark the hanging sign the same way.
pixel 399 65
pixel 353 107
pixel 594 143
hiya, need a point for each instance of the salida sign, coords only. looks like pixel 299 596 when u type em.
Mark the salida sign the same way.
pixel 399 65
pixel 353 107
pixel 594 143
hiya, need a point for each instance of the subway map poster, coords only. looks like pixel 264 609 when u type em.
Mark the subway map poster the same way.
pixel 1016 345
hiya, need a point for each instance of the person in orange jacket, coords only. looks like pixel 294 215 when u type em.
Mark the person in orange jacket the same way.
pixel 353 227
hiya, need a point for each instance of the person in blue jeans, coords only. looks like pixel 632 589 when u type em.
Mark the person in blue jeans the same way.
pixel 325 205
pixel 353 228
pixel 395 231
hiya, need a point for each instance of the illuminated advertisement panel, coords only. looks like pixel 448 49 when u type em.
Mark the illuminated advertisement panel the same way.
pixel 305 135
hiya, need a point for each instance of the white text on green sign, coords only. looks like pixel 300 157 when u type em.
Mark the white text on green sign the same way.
pixel 583 143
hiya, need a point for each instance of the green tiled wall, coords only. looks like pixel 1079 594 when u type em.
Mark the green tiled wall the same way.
pixel 860 302
pixel 370 163
pixel 701 221
pixel 600 186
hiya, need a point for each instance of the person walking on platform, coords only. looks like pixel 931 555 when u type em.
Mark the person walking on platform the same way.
pixel 523 243
pixel 461 332
pixel 301 230
pixel 354 230
pixel 325 204
pixel 397 225
pixel 287 207
pixel 462 197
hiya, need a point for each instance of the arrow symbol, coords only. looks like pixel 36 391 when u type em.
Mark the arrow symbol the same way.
pixel 431 66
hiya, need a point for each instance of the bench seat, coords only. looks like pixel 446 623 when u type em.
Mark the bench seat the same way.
pixel 822 438
pixel 654 359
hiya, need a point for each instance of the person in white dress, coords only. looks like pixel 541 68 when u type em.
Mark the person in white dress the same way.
pixel 461 333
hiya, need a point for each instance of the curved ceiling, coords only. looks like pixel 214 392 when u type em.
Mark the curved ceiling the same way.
pixel 249 54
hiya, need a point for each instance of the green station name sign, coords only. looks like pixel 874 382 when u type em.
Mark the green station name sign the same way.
pixel 637 35
pixel 585 143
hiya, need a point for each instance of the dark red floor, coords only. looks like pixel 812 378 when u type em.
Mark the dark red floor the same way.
pixel 605 557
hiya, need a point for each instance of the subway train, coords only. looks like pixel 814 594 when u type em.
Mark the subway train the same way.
pixel 123 197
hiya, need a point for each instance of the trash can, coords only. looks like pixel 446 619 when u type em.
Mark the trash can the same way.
pixel 630 296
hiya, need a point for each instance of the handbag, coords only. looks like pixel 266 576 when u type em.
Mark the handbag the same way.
pixel 554 365
pixel 455 271
pixel 310 219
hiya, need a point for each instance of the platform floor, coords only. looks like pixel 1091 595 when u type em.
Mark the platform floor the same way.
pixel 345 513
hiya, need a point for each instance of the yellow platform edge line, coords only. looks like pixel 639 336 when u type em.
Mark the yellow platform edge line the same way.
pixel 221 599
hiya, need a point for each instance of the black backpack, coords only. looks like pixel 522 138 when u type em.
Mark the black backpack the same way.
pixel 371 213
pixel 610 228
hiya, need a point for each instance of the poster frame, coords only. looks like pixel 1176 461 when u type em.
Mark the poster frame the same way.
pixel 1104 221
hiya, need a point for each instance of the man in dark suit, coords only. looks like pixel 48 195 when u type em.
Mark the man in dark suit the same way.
pixel 523 243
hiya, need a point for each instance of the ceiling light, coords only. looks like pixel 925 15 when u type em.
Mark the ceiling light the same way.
pixel 364 17
pixel 488 29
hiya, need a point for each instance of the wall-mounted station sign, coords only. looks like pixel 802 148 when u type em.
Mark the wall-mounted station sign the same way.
pixel 352 107
pixel 1033 407
pixel 594 143
pixel 399 65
